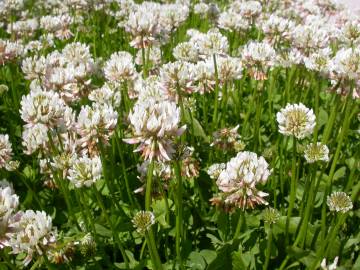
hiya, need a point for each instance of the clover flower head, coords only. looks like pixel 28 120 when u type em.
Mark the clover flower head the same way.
pixel 96 123
pixel 107 94
pixel 271 215
pixel 85 171
pixel 210 43
pixel 237 182
pixel 10 50
pixel 45 107
pixel 186 51
pixel 296 120
pixel 120 67
pixel 214 170
pixel 9 202
pixel 143 220
pixel 5 151
pixel 226 138
pixel 88 246
pixel 316 152
pixel 35 138
pixel 346 63
pixel 143 25
pixel 31 233
pixel 339 202
pixel 155 124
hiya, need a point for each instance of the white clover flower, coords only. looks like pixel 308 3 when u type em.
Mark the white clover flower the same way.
pixel 45 107
pixel 276 26
pixel 143 220
pixel 350 33
pixel 258 57
pixel 163 173
pixel 172 15
pixel 339 202
pixel 155 124
pixel 9 202
pixel 31 233
pixel 143 25
pixel 214 170
pixel 248 9
pixel 9 6
pixel 107 94
pixel 258 53
pixel 96 123
pixel 10 50
pixel 59 25
pixel 201 9
pixel 296 120
pixel 23 27
pixel 226 138
pixel 231 21
pixel 85 171
pixel 178 74
pixel 120 67
pixel 33 47
pixel 205 75
pixel 213 42
pixel 310 36
pixel 34 67
pixel 88 246
pixel 316 152
pixel 34 138
pixel 150 88
pixel 229 68
pixel 78 56
pixel 5 151
pixel 3 89
pixel 68 72
pixel 237 182
pixel 186 51
pixel 346 63
pixel 319 60
pixel 125 8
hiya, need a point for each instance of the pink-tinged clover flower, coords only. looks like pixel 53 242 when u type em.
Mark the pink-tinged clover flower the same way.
pixel 155 124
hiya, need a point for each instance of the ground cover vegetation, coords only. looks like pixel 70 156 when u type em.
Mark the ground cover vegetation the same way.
pixel 179 135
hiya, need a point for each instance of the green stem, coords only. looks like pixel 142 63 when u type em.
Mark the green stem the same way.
pixel 342 135
pixel 123 170
pixel 257 135
pixel 309 205
pixel 270 93
pixel 148 186
pixel 239 225
pixel 329 125
pixel 292 191
pixel 179 212
pixel 155 258
pixel 268 248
